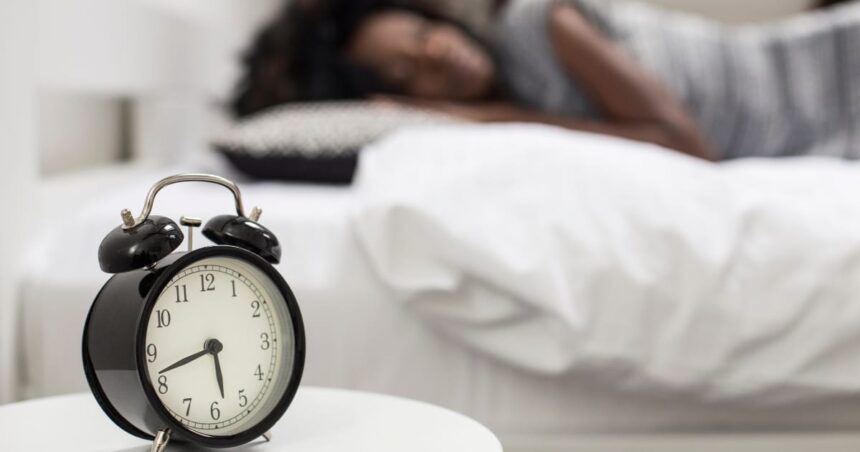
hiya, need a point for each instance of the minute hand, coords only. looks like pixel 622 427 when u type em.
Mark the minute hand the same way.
pixel 183 361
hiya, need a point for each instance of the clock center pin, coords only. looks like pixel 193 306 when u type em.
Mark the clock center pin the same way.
pixel 213 346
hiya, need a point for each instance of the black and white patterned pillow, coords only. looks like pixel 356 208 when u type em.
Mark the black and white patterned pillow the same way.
pixel 314 142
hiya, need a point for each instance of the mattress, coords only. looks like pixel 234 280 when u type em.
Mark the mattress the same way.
pixel 359 337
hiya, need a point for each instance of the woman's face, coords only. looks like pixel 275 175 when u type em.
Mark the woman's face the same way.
pixel 422 58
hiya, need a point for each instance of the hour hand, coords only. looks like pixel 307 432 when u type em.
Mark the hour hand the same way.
pixel 183 361
pixel 218 375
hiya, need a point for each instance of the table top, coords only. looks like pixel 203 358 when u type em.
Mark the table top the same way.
pixel 319 420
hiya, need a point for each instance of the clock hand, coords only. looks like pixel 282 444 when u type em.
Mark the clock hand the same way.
pixel 218 375
pixel 183 361
pixel 214 347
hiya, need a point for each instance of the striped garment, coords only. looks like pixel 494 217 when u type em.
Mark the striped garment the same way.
pixel 778 89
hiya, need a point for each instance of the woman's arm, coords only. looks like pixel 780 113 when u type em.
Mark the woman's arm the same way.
pixel 508 112
pixel 634 105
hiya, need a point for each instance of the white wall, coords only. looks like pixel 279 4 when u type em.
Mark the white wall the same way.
pixel 77 131
pixel 112 47
pixel 738 11
pixel 223 28
pixel 173 61
pixel 93 54
pixel 17 172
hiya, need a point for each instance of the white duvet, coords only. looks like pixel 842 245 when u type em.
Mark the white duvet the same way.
pixel 571 252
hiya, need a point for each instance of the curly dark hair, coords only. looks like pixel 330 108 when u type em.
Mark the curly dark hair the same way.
pixel 299 56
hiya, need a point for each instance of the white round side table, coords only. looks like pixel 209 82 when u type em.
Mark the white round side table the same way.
pixel 319 420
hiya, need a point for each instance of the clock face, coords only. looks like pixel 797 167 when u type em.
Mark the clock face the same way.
pixel 219 346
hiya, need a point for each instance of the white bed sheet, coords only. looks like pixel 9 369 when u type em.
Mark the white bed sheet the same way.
pixel 358 336
pixel 661 272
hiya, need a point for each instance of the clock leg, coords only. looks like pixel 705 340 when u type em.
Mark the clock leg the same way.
pixel 267 436
pixel 160 441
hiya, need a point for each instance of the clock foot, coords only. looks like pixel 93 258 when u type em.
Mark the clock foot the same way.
pixel 267 436
pixel 160 441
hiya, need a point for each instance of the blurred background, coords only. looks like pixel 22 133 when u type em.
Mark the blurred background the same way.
pixel 94 93
pixel 112 86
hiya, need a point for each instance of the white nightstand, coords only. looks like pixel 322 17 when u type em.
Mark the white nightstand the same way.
pixel 319 420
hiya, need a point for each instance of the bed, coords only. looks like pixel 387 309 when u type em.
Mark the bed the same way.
pixel 362 335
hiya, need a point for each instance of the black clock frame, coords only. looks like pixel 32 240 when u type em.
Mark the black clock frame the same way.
pixel 114 349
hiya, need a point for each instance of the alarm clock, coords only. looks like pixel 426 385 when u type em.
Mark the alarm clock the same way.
pixel 205 346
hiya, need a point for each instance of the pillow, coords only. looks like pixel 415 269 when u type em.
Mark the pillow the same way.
pixel 314 142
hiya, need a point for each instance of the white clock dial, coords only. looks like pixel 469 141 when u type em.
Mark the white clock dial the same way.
pixel 219 346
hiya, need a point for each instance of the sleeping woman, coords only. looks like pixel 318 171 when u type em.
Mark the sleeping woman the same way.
pixel 624 69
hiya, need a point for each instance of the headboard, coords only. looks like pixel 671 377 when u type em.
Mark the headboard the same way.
pixel 158 64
